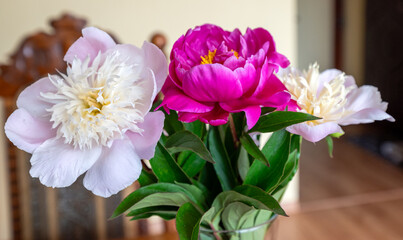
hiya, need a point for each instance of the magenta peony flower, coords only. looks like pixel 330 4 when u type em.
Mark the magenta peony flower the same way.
pixel 94 119
pixel 215 72
pixel 334 97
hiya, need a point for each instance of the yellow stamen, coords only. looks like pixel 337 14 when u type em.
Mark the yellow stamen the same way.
pixel 236 54
pixel 208 59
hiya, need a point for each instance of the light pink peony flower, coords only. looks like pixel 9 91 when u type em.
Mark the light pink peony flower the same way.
pixel 94 119
pixel 215 72
pixel 334 97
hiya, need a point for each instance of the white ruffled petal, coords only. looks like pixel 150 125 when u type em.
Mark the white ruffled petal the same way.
pixel 27 132
pixel 145 142
pixel 117 168
pixel 31 100
pixel 314 133
pixel 57 164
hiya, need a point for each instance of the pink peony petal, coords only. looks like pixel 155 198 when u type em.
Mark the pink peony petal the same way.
pixel 30 99
pixel 291 106
pixel 212 83
pixel 145 142
pixel 90 44
pixel 117 168
pixel 176 100
pixel 27 132
pixel 314 133
pixel 269 84
pixel 155 59
pixel 252 115
pixel 278 59
pixel 216 117
pixel 57 164
pixel 248 78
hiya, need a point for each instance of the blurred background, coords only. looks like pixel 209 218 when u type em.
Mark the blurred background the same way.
pixel 357 194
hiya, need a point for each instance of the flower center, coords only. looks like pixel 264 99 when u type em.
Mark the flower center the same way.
pixel 97 103
pixel 326 101
pixel 90 102
pixel 208 59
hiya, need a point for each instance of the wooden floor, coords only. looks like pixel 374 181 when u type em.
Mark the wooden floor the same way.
pixel 356 195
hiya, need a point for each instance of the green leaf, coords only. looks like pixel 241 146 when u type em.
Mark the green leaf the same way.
pixel 279 120
pixel 185 140
pixel 198 196
pixel 222 166
pixel 266 110
pixel 197 128
pixel 291 166
pixel 147 178
pixel 165 167
pixel 172 124
pixel 188 222
pixel 209 179
pixel 233 213
pixel 258 201
pixel 338 134
pixel 243 163
pixel 252 218
pixel 250 146
pixel 190 163
pixel 276 151
pixel 143 192
pixel 329 141
pixel 262 196
pixel 166 212
pixel 168 215
pixel 212 218
pixel 159 199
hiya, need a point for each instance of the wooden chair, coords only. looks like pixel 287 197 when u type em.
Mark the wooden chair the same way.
pixel 38 212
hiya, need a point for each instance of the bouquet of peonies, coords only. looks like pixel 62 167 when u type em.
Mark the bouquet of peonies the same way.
pixel 103 117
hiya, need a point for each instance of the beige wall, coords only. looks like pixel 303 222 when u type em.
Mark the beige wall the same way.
pixel 315 33
pixel 134 21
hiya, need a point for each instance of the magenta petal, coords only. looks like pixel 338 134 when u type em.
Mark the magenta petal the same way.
pixel 27 132
pixel 145 142
pixel 30 99
pixel 92 42
pixel 314 133
pixel 279 59
pixel 252 115
pixel 291 106
pixel 57 164
pixel 117 168
pixel 248 78
pixel 234 62
pixel 216 117
pixel 277 100
pixel 188 117
pixel 212 83
pixel 176 100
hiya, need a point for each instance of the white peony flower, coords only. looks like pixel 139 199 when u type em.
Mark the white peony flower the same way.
pixel 94 119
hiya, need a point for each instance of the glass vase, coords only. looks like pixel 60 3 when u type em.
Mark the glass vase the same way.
pixel 264 231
